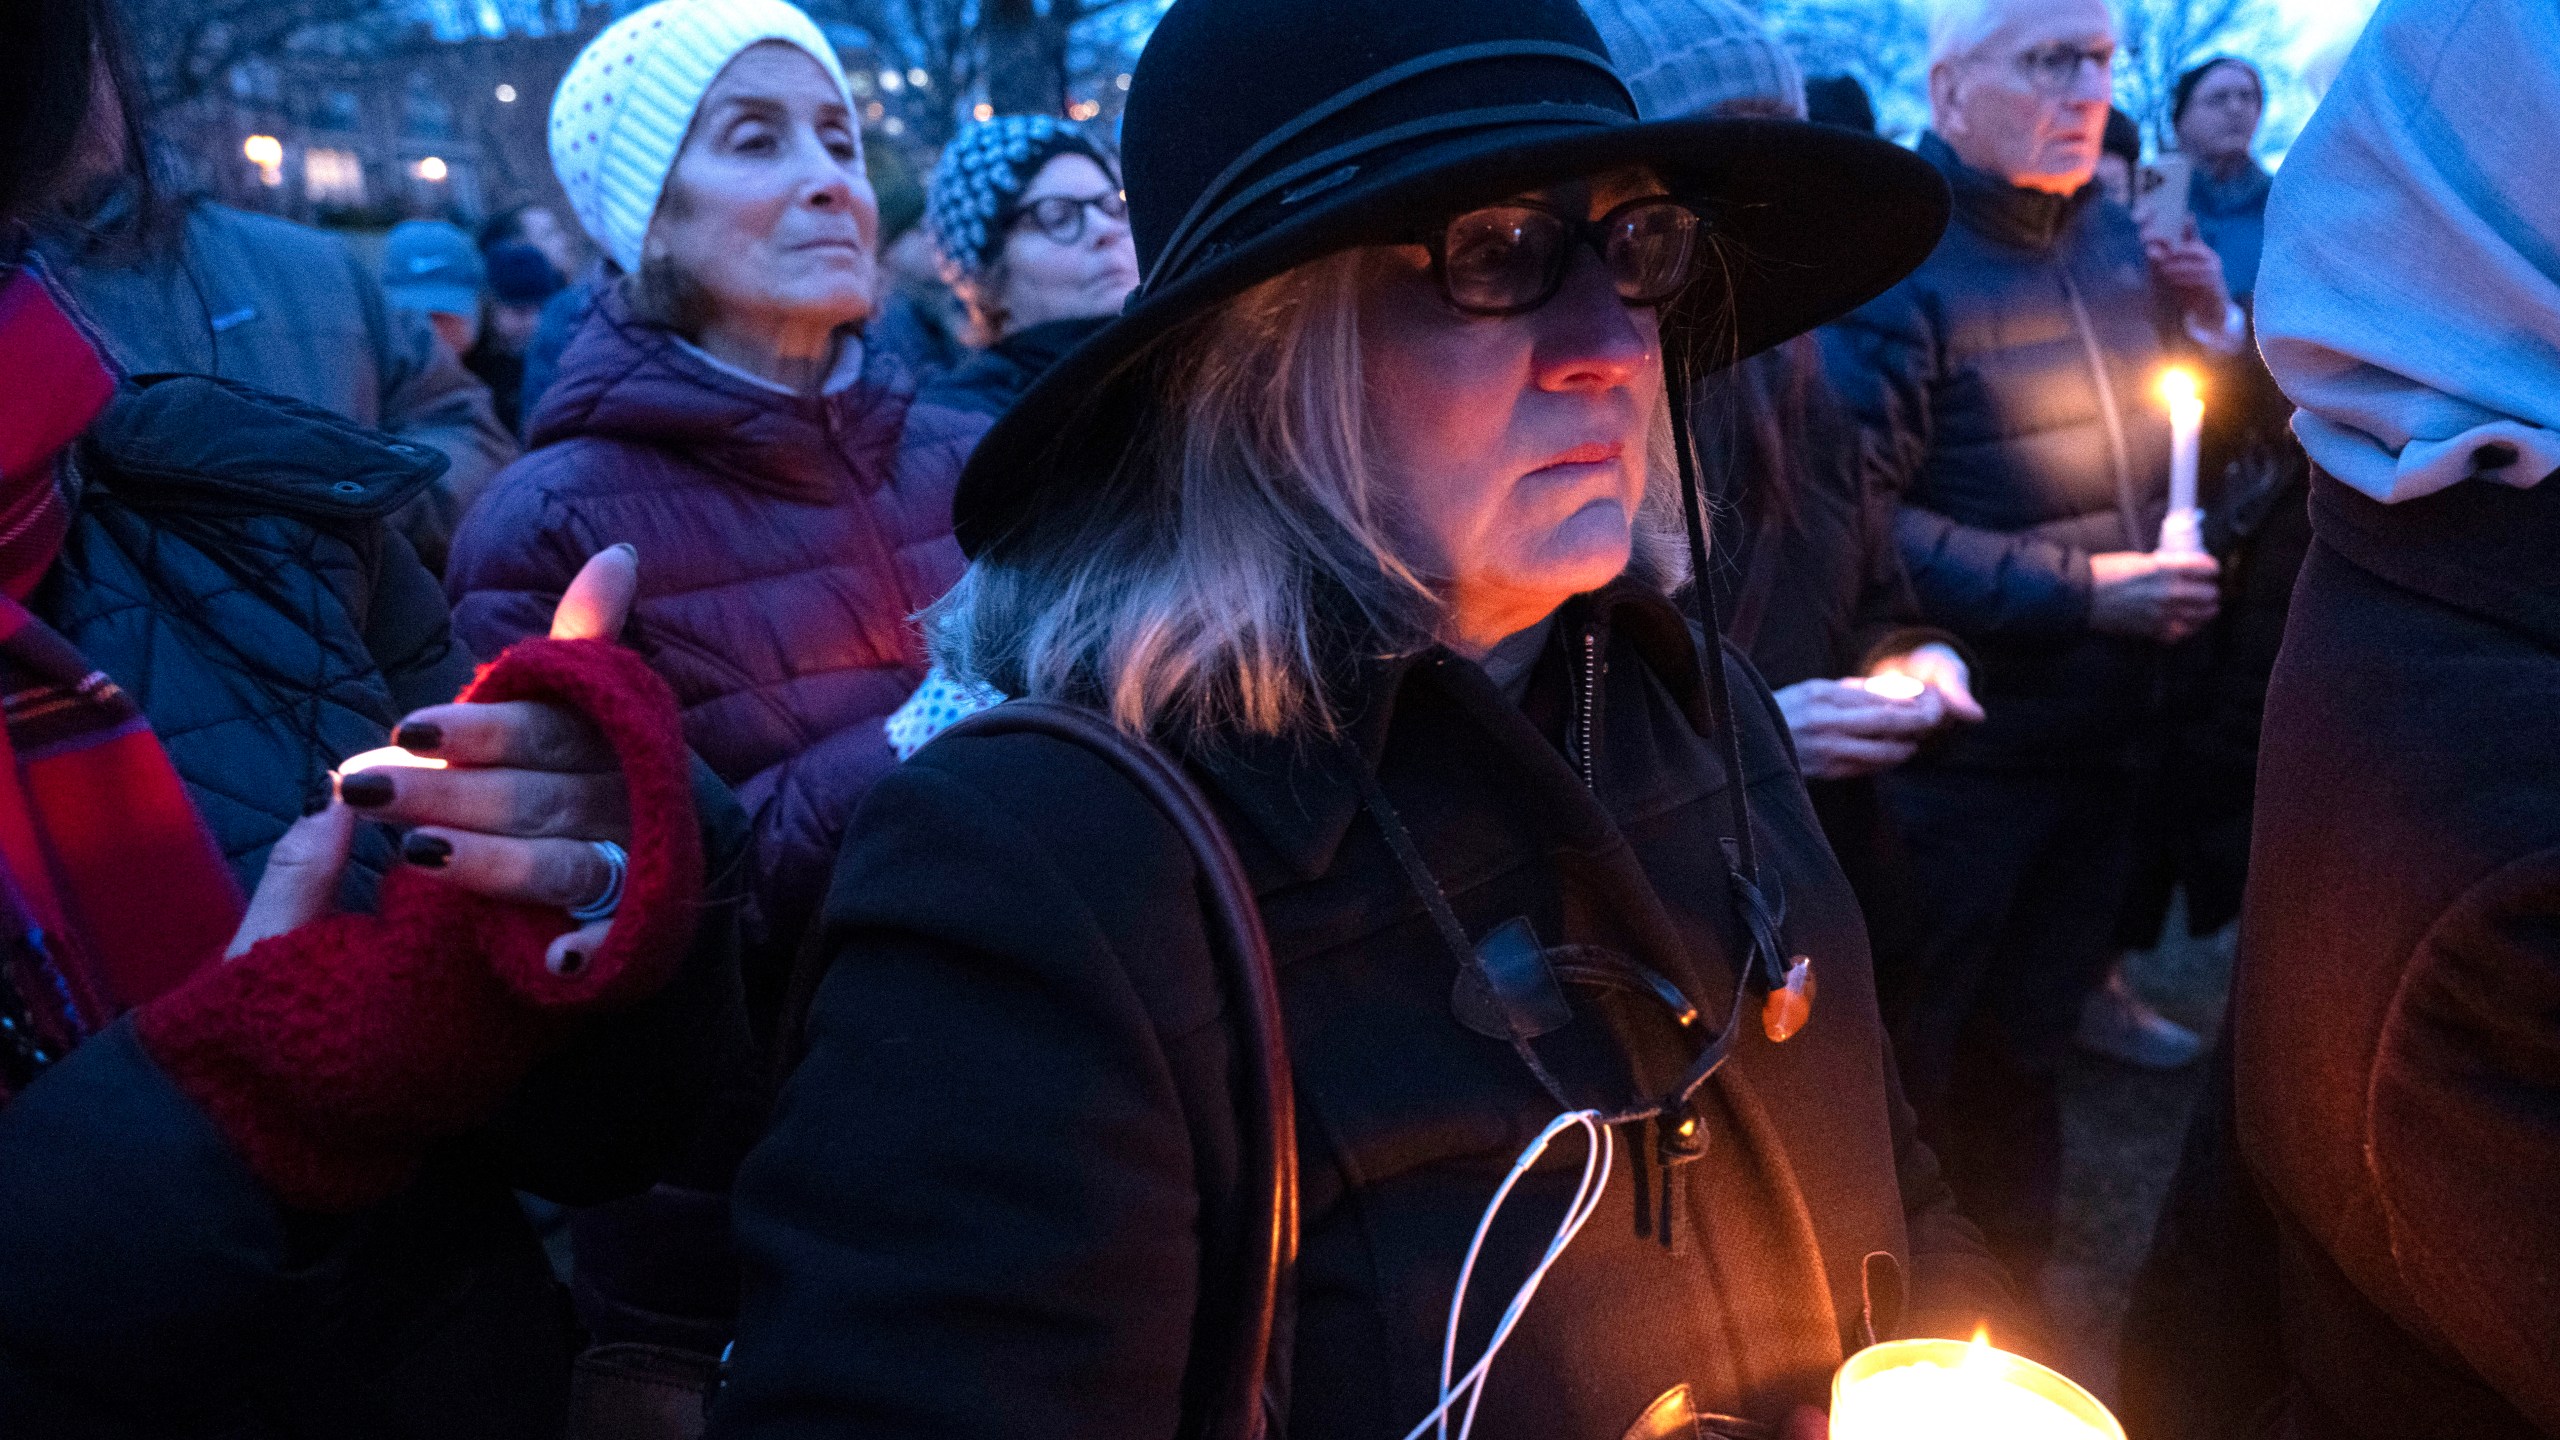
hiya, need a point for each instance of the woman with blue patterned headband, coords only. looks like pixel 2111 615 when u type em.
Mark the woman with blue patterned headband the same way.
pixel 1034 234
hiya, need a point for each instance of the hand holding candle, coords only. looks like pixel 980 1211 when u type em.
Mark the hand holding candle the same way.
pixel 388 756
pixel 507 799
pixel 2182 533
pixel 1933 669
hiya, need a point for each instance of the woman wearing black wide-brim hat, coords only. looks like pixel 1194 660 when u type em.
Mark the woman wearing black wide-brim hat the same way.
pixel 1366 512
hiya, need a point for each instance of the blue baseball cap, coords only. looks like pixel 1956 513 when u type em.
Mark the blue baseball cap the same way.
pixel 432 266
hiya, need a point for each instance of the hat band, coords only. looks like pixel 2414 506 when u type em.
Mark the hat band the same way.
pixel 1343 161
pixel 1200 219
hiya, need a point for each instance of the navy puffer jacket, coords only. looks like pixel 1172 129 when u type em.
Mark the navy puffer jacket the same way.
pixel 2006 394
pixel 784 543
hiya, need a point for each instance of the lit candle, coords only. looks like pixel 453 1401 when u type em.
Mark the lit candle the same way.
pixel 1892 685
pixel 1949 1390
pixel 2182 533
pixel 388 757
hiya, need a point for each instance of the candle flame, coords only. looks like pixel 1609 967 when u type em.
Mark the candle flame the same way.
pixel 2179 386
pixel 1980 1349
pixel 388 757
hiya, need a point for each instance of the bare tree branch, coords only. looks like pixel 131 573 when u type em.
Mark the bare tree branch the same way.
pixel 2162 39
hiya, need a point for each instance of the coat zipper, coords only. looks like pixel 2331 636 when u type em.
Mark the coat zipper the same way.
pixel 1586 717
pixel 2127 510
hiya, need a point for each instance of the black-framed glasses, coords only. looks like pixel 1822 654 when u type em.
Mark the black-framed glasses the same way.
pixel 1511 258
pixel 2054 69
pixel 1061 217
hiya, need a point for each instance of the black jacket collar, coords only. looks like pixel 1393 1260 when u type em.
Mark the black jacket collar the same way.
pixel 1991 206
pixel 1302 794
pixel 202 442
pixel 1034 350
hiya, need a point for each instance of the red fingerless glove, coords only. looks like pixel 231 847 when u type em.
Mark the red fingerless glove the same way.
pixel 332 1057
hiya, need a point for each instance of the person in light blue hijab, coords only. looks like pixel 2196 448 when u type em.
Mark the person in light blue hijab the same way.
pixel 2410 301
pixel 2397 1008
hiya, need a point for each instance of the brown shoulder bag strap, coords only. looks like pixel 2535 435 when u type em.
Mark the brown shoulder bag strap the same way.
pixel 1236 1363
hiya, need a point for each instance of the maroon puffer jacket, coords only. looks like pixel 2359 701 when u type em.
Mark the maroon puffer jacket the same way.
pixel 784 542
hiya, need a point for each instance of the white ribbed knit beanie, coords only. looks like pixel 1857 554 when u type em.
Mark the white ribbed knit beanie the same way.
pixel 623 109
pixel 1685 58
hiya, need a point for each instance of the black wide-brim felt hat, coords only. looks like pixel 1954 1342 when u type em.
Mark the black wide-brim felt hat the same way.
pixel 1261 135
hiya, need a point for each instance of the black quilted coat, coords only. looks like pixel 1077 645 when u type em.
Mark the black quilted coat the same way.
pixel 230 567
pixel 227 570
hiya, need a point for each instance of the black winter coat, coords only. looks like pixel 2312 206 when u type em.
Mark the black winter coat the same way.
pixel 983 1208
pixel 990 381
pixel 1807 575
pixel 229 567
pixel 2006 394
pixel 2396 1021
pixel 1810 582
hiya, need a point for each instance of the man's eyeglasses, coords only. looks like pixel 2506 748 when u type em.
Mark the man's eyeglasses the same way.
pixel 2055 69
pixel 1061 217
pixel 1512 258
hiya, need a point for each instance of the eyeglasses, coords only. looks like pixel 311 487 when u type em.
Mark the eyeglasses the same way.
pixel 1512 258
pixel 1061 217
pixel 2054 69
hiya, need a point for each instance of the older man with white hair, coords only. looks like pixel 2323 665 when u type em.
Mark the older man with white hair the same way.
pixel 2006 395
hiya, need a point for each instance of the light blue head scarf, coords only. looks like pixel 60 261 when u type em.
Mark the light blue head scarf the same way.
pixel 2410 295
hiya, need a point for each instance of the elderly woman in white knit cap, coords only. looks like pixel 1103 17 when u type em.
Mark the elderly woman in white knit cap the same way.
pixel 790 498
pixel 1034 235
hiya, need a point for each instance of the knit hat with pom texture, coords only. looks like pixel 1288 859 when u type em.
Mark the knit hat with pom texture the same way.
pixel 622 111
pixel 981 171
pixel 1698 57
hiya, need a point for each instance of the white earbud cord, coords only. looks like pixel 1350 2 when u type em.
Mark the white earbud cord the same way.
pixel 1586 1202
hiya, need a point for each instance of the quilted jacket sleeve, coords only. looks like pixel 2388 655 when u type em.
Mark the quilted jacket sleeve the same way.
pixel 513 557
pixel 1886 363
pixel 1887 619
pixel 798 812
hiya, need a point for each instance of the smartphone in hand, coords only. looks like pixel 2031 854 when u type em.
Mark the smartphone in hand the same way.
pixel 2160 198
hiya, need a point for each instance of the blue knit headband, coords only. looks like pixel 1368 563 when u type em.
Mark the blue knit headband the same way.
pixel 982 169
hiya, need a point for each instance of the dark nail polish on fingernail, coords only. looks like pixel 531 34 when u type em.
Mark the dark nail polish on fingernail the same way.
pixel 365 789
pixel 572 962
pixel 419 737
pixel 427 852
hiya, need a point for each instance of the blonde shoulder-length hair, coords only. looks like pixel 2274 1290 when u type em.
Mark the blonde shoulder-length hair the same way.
pixel 1245 545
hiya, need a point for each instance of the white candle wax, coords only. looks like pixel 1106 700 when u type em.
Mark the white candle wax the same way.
pixel 2182 533
pixel 1945 1390
pixel 1936 1402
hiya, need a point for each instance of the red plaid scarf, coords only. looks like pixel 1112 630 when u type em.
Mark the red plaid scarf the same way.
pixel 111 889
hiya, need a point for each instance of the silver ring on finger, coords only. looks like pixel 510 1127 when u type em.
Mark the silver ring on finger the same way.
pixel 617 863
